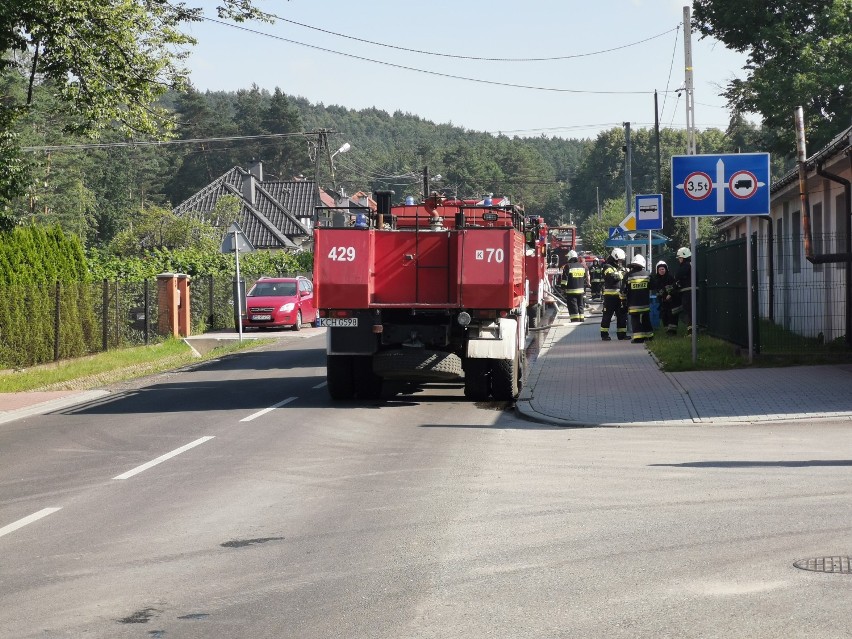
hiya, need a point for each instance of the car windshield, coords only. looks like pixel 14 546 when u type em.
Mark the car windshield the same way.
pixel 273 289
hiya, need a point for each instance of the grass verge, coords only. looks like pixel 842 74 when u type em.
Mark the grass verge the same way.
pixel 674 352
pixel 120 365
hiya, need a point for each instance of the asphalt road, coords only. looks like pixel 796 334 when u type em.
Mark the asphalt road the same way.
pixel 234 500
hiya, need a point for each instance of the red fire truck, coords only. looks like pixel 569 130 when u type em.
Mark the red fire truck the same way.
pixel 536 269
pixel 422 292
pixel 561 240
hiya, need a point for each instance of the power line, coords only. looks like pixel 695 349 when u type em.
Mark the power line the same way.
pixel 109 145
pixel 671 66
pixel 467 57
pixel 427 72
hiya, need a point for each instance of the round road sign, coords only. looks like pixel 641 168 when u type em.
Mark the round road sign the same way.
pixel 697 185
pixel 743 184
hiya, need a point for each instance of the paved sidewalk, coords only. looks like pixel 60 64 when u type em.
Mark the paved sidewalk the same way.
pixel 17 405
pixel 580 380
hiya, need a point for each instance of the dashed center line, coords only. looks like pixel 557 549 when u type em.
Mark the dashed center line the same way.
pixel 321 385
pixel 267 410
pixel 44 512
pixel 163 458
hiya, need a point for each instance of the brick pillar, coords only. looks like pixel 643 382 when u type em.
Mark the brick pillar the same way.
pixel 183 316
pixel 168 299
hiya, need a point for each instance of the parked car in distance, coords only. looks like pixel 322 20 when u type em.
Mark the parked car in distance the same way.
pixel 280 301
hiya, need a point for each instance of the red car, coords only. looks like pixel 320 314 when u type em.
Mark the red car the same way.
pixel 280 301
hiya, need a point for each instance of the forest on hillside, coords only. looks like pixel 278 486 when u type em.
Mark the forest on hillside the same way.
pixel 94 189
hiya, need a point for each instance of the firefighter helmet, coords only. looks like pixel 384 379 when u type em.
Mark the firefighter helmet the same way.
pixel 639 261
pixel 617 254
pixel 684 252
pixel 572 255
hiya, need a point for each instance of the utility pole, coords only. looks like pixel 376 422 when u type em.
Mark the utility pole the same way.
pixel 322 143
pixel 628 167
pixel 657 136
pixel 691 150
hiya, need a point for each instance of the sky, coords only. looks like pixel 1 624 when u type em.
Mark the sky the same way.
pixel 620 51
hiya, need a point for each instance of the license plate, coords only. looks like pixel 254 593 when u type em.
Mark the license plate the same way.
pixel 338 322
pixel 260 318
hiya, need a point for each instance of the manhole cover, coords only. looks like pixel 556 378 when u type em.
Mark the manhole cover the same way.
pixel 840 565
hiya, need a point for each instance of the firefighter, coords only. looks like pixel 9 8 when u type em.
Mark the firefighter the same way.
pixel 596 275
pixel 663 285
pixel 574 280
pixel 683 283
pixel 613 276
pixel 637 291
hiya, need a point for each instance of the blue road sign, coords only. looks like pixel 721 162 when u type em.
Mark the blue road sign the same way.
pixel 649 212
pixel 615 232
pixel 734 184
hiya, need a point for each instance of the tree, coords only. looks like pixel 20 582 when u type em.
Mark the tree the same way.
pixel 288 156
pixel 158 228
pixel 799 54
pixel 109 60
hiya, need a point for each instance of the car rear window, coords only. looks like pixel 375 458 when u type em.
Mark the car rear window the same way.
pixel 273 289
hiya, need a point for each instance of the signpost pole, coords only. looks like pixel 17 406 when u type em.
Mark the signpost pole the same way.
pixel 749 309
pixel 690 135
pixel 650 255
pixel 239 300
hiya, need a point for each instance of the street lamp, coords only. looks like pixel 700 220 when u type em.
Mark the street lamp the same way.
pixel 343 149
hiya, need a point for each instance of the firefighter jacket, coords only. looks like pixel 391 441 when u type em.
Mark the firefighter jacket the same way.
pixel 684 276
pixel 574 278
pixel 612 278
pixel 662 285
pixel 596 273
pixel 637 290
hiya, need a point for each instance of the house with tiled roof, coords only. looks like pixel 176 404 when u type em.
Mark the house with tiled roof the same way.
pixel 274 214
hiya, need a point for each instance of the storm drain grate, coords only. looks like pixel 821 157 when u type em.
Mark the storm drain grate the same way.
pixel 838 565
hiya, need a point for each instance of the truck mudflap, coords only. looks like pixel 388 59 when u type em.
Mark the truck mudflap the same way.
pixel 417 365
pixel 494 340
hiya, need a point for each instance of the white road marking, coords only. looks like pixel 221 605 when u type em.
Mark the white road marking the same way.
pixel 321 385
pixel 163 458
pixel 266 410
pixel 44 512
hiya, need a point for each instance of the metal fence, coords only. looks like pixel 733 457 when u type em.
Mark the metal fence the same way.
pixel 799 308
pixel 41 323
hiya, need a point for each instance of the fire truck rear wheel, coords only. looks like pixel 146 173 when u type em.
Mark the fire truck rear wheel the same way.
pixel 339 373
pixel 477 380
pixel 535 315
pixel 368 385
pixel 505 378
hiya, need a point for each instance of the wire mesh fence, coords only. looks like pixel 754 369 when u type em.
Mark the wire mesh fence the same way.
pixel 800 308
pixel 43 322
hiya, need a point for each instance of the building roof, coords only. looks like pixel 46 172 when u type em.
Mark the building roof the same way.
pixel 274 214
pixel 840 143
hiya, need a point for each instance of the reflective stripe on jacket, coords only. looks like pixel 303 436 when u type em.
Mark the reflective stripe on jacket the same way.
pixel 638 291
pixel 574 278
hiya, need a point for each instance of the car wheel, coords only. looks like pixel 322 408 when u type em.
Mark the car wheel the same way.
pixel 298 325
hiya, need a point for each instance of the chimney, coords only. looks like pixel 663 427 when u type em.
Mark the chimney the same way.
pixel 256 169
pixel 248 188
